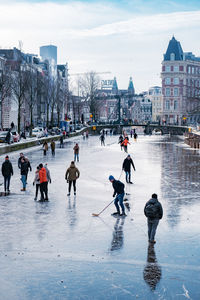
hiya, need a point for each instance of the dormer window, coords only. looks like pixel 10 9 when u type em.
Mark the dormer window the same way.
pixel 172 56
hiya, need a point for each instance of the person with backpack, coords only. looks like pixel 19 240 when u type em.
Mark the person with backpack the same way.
pixel 118 187
pixel 154 212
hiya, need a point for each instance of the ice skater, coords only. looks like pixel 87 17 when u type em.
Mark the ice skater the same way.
pixel 53 146
pixel 121 139
pixel 154 212
pixel 36 182
pixel 125 144
pixel 45 148
pixel 7 172
pixel 127 168
pixel 76 152
pixel 71 175
pixel 118 187
pixel 43 183
pixel 102 139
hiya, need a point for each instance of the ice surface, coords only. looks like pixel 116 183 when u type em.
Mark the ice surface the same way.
pixel 57 250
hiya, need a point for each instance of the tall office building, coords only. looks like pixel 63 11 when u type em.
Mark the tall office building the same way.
pixel 49 53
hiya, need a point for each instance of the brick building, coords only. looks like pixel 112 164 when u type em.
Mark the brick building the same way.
pixel 180 85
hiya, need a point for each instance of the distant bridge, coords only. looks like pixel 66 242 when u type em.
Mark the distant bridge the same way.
pixel 148 128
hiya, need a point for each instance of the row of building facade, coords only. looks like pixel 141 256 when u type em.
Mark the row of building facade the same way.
pixel 175 102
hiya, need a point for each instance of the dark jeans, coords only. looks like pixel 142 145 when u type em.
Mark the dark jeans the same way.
pixel 74 185
pixel 119 199
pixel 128 176
pixel 36 190
pixel 44 190
pixel 76 156
pixel 125 149
pixel 152 226
pixel 45 152
pixel 53 152
pixel 6 183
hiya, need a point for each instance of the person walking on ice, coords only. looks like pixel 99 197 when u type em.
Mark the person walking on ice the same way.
pixel 76 152
pixel 118 187
pixel 154 212
pixel 7 172
pixel 102 139
pixel 127 168
pixel 36 182
pixel 71 175
pixel 125 144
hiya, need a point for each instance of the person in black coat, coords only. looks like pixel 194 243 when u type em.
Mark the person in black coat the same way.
pixel 7 172
pixel 127 168
pixel 118 187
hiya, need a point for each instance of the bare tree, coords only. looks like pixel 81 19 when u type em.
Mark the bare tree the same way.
pixel 90 84
pixel 31 92
pixel 19 88
pixel 5 87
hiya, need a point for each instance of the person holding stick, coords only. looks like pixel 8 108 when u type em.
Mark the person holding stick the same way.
pixel 119 191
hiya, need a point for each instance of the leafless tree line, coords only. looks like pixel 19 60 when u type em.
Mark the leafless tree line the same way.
pixel 30 88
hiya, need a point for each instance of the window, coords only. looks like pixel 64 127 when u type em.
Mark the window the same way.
pixel 176 80
pixel 176 91
pixel 167 105
pixel 167 92
pixel 176 69
pixel 172 56
pixel 175 105
pixel 167 80
pixel 167 68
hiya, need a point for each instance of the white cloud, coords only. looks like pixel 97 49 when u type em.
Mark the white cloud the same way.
pixel 100 37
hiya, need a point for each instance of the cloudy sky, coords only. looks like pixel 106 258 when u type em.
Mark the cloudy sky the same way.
pixel 125 37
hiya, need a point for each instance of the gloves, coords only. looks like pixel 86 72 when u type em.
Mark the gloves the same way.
pixel 67 181
pixel 50 180
pixel 33 183
pixel 113 195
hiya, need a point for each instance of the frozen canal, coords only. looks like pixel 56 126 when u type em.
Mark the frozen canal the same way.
pixel 57 250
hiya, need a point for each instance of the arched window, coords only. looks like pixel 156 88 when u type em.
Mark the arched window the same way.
pixel 172 56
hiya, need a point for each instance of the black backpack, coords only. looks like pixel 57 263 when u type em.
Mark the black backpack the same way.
pixel 151 210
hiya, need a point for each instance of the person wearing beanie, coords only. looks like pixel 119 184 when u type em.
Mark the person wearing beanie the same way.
pixel 118 187
pixel 127 168
pixel 7 172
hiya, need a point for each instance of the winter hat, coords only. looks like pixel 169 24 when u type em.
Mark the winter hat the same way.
pixel 129 155
pixel 7 157
pixel 111 178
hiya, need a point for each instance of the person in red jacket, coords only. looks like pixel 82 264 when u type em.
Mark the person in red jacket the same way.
pixel 125 144
pixel 43 183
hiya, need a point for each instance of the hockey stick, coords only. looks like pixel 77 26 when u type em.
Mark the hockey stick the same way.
pixel 96 215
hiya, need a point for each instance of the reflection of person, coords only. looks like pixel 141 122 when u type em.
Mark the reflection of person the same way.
pixel 152 271
pixel 118 235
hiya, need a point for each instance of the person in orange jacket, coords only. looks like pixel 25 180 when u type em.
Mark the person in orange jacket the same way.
pixel 125 144
pixel 43 183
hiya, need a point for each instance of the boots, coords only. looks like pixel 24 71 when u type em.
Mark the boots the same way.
pixel 23 190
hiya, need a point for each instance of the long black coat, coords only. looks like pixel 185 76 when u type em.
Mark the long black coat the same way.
pixel 7 169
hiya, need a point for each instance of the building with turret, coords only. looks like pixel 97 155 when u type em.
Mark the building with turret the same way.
pixel 180 85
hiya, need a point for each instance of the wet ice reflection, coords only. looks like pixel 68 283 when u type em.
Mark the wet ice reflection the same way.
pixel 152 271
